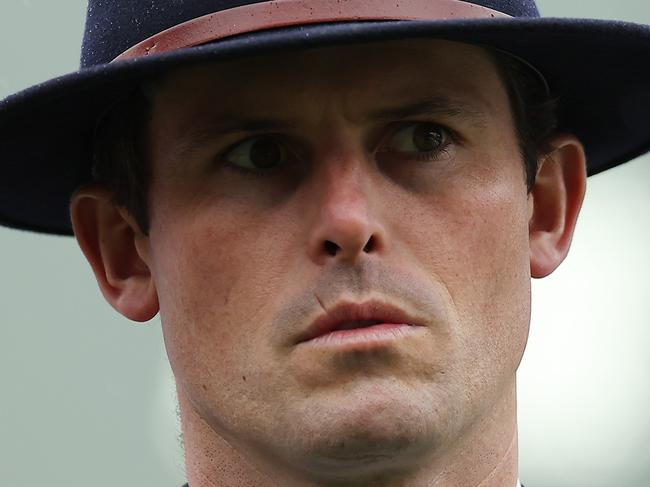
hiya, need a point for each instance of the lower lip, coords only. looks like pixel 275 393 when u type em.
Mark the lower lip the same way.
pixel 378 335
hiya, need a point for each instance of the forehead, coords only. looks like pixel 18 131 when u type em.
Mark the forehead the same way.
pixel 354 79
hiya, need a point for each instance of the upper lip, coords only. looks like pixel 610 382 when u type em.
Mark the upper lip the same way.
pixel 347 311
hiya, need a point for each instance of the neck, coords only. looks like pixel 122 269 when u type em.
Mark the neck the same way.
pixel 485 456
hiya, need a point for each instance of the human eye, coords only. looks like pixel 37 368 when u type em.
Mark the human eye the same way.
pixel 423 141
pixel 256 155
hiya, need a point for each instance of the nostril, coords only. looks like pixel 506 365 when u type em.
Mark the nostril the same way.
pixel 370 244
pixel 331 247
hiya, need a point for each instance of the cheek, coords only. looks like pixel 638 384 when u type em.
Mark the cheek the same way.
pixel 215 279
pixel 476 235
pixel 206 292
pixel 195 278
pixel 492 287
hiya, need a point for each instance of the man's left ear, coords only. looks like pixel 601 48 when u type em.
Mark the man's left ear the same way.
pixel 555 202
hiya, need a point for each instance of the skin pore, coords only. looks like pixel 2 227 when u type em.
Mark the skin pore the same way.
pixel 287 184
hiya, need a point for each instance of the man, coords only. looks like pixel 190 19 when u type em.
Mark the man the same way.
pixel 339 240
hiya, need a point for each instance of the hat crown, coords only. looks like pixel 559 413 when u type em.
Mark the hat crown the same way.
pixel 113 26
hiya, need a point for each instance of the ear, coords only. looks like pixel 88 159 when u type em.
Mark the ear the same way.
pixel 117 251
pixel 555 202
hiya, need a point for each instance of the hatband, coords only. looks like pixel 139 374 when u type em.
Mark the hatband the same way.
pixel 285 13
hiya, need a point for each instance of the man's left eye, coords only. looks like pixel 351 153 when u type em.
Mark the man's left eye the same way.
pixel 417 138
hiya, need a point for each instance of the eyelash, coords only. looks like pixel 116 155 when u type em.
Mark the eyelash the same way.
pixel 254 173
pixel 450 138
pixel 436 156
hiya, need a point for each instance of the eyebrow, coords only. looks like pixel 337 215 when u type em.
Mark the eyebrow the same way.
pixel 439 105
pixel 194 137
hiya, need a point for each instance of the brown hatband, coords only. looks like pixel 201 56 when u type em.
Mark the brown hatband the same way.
pixel 285 13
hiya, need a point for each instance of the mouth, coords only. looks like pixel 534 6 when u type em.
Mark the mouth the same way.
pixel 351 325
pixel 367 320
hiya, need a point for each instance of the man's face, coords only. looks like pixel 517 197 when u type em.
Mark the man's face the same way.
pixel 285 185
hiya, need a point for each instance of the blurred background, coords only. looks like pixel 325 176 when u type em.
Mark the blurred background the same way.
pixel 87 398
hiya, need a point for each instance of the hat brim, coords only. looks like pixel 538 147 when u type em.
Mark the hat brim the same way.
pixel 597 68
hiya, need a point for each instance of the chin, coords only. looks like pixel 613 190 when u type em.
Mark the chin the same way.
pixel 364 454
pixel 368 434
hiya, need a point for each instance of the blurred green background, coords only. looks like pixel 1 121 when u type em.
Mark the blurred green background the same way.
pixel 87 398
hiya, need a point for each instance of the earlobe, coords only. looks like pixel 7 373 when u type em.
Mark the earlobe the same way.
pixel 556 199
pixel 117 252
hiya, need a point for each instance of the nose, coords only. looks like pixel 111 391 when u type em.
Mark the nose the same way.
pixel 347 225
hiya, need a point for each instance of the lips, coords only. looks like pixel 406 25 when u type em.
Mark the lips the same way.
pixel 347 316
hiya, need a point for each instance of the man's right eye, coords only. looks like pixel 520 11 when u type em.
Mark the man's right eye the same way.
pixel 257 154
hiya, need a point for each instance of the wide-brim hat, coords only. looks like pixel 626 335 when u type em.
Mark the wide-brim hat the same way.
pixel 599 71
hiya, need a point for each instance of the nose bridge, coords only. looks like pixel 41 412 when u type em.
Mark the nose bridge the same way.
pixel 343 181
pixel 347 223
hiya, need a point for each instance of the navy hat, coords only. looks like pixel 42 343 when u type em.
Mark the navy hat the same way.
pixel 599 70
